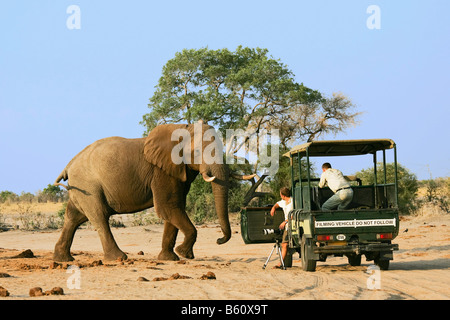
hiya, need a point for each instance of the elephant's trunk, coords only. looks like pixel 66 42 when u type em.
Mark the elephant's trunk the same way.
pixel 220 191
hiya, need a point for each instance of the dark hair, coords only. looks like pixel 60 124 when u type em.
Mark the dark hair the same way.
pixel 326 165
pixel 285 192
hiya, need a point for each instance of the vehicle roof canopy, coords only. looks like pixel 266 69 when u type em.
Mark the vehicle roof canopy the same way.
pixel 341 147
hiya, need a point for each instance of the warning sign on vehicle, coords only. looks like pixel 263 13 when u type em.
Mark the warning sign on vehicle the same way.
pixel 355 223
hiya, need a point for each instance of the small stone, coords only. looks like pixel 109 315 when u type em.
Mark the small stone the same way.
pixel 177 276
pixel 55 265
pixel 3 292
pixel 142 279
pixel 26 254
pixel 57 291
pixel 36 292
pixel 208 276
pixel 96 263
pixel 140 253
pixel 160 279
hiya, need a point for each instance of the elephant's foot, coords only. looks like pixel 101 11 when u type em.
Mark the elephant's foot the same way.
pixel 115 255
pixel 186 253
pixel 62 257
pixel 168 255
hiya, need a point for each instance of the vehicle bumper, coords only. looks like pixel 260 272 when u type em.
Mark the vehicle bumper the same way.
pixel 356 248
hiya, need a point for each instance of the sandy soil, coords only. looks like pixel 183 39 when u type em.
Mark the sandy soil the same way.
pixel 420 269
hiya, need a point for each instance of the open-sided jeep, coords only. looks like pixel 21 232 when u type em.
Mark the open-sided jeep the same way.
pixel 366 227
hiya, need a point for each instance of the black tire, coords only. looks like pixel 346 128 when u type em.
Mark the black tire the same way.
pixel 354 260
pixel 308 264
pixel 382 264
pixel 288 259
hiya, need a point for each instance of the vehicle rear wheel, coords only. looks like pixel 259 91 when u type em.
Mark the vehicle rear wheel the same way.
pixel 382 263
pixel 354 260
pixel 308 264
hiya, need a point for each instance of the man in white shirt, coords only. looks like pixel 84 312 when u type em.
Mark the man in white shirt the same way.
pixel 343 193
pixel 287 205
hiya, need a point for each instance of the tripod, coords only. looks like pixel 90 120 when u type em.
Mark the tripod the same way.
pixel 275 246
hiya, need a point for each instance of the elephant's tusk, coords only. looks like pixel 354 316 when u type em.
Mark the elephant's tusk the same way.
pixel 207 178
pixel 243 177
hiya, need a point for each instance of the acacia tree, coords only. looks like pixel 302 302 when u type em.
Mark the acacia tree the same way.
pixel 230 90
pixel 246 89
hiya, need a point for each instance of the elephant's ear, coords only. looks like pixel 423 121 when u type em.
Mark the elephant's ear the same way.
pixel 158 150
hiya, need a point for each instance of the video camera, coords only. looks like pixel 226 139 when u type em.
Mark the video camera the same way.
pixel 272 231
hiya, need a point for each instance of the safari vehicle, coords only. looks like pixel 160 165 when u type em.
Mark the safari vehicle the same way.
pixel 366 227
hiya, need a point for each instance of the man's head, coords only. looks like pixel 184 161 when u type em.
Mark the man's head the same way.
pixel 326 166
pixel 285 193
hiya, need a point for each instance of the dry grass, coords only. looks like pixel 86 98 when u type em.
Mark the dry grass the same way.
pixel 40 216
pixel 30 207
pixel 30 215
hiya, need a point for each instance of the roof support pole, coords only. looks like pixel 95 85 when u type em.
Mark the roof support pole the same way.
pixel 300 180
pixel 309 178
pixel 395 174
pixel 375 178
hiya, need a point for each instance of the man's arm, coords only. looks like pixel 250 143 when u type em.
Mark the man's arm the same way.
pixel 275 207
pixel 322 181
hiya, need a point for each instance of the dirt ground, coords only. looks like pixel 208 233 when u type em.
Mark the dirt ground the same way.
pixel 232 271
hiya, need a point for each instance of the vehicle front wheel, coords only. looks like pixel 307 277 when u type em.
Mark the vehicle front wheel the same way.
pixel 308 264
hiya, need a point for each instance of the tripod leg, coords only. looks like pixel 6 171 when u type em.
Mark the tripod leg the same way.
pixel 281 257
pixel 267 261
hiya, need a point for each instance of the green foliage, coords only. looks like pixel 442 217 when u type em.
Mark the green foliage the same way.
pixel 26 197
pixel 229 90
pixel 200 204
pixel 236 194
pixel 407 184
pixel 283 177
pixel 52 193
pixel 200 201
pixel 38 221
pixel 61 212
pixel 437 193
pixel 7 195
pixel 146 217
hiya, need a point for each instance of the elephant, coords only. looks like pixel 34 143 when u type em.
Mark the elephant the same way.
pixel 119 176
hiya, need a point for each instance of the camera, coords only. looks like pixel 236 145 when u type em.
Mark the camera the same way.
pixel 272 231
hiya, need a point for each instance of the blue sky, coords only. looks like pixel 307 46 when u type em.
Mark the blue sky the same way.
pixel 63 89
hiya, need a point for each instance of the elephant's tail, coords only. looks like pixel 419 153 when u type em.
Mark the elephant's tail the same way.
pixel 63 176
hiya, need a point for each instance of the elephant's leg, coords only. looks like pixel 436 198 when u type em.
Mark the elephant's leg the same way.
pixel 110 248
pixel 168 243
pixel 181 221
pixel 72 220
pixel 190 236
pixel 98 214
pixel 169 199
pixel 177 219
